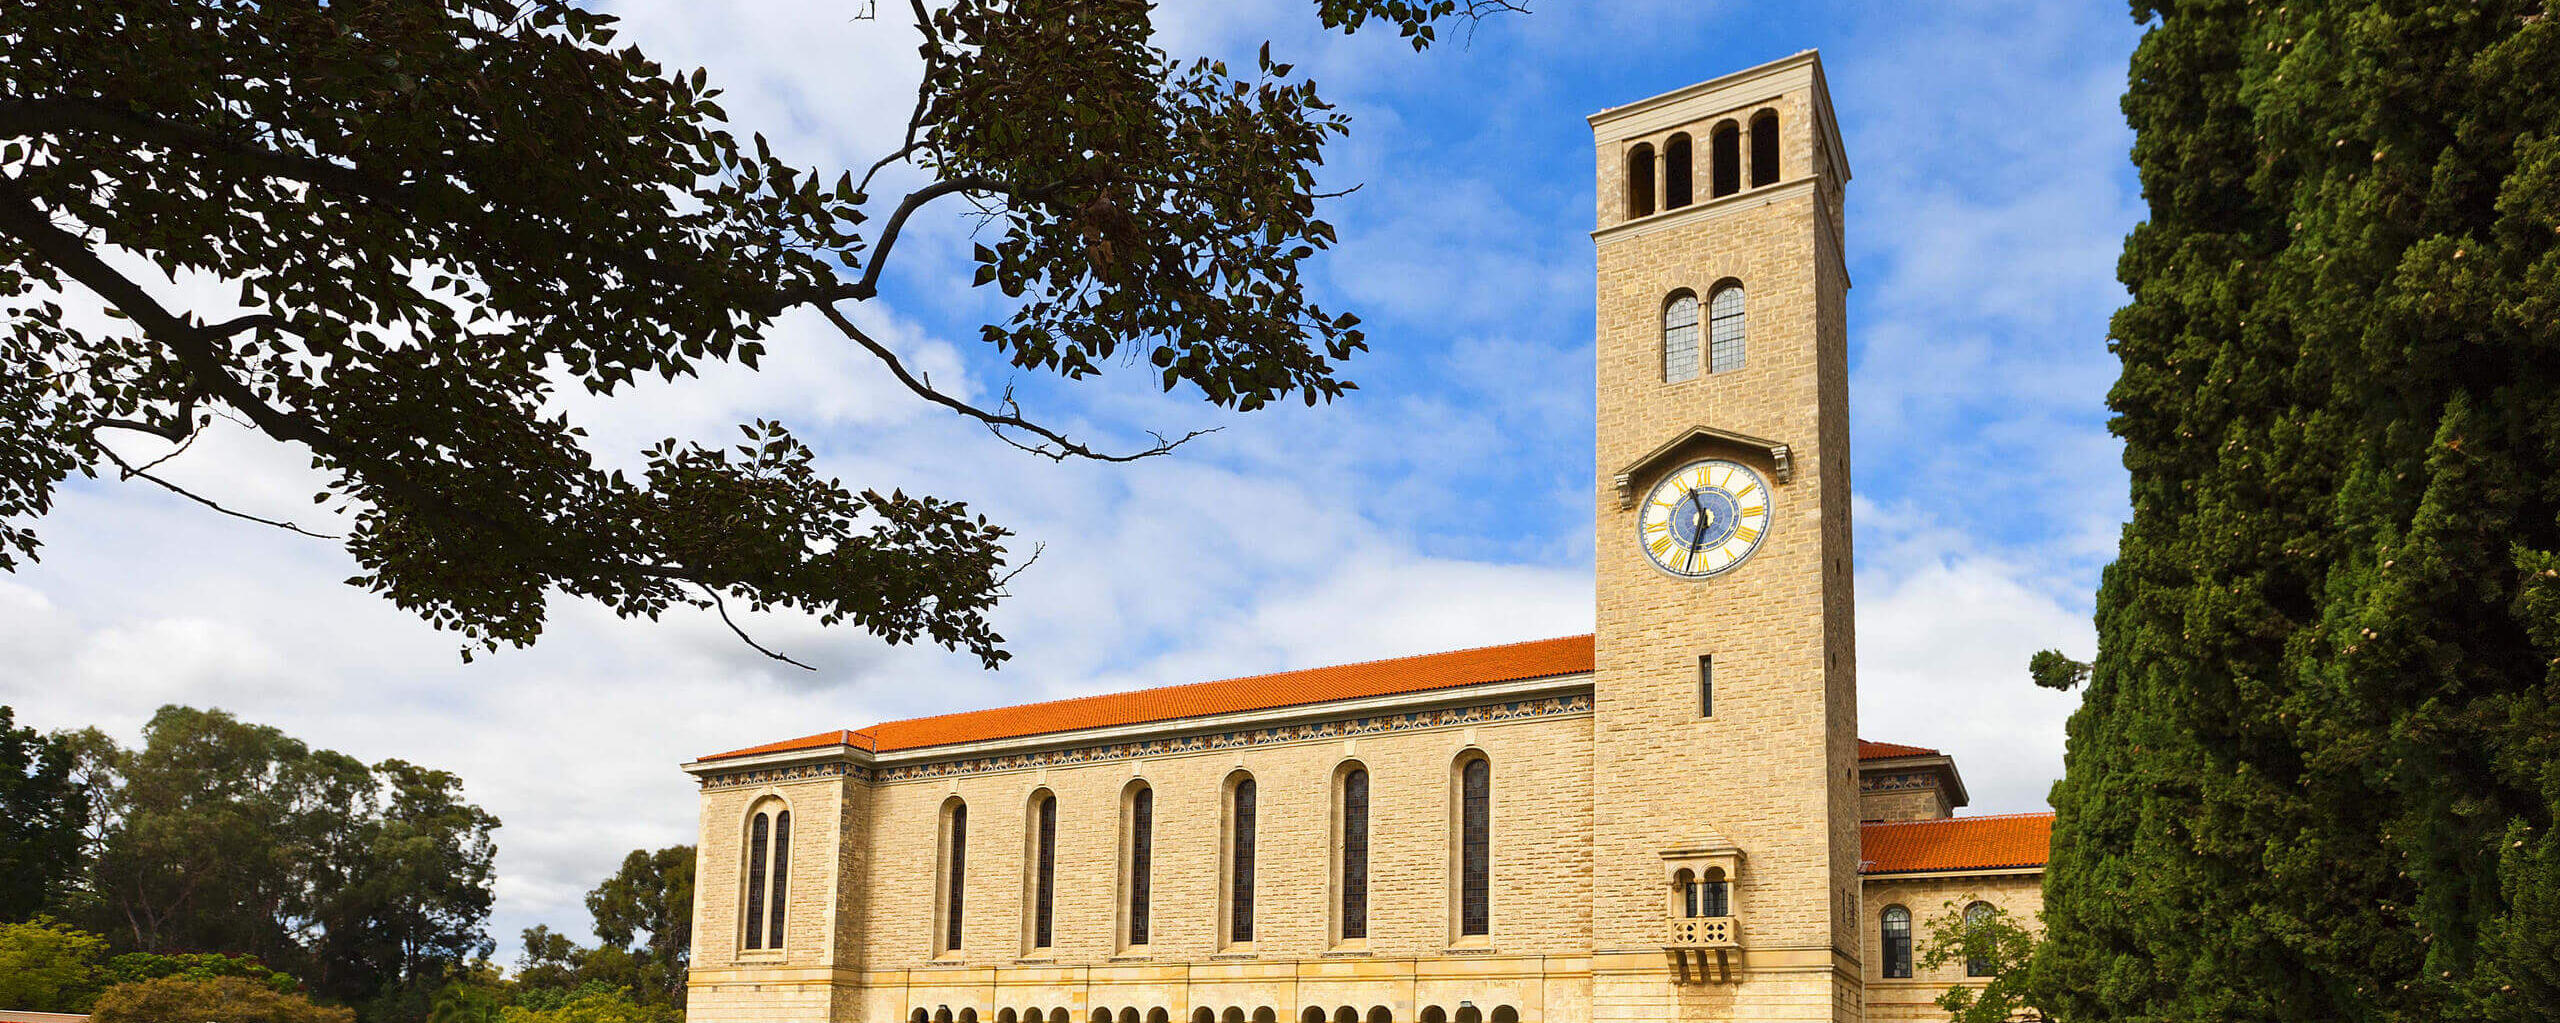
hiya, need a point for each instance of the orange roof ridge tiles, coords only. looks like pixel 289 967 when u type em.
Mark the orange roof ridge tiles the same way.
pixel 1956 843
pixel 2032 814
pixel 1509 662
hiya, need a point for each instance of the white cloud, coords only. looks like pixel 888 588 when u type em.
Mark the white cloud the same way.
pixel 1944 632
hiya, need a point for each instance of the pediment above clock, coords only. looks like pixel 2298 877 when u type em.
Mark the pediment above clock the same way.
pixel 1781 460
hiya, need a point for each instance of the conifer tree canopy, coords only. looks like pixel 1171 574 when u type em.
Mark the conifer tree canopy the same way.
pixel 2316 772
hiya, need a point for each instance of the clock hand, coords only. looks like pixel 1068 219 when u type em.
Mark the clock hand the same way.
pixel 1698 536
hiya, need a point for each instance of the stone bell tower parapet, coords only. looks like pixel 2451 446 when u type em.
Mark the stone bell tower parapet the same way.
pixel 1725 691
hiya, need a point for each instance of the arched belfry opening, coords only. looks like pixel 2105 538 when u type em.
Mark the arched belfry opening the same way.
pixel 1677 176
pixel 1725 160
pixel 1640 181
pixel 1764 148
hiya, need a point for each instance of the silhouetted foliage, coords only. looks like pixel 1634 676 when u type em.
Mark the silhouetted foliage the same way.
pixel 432 213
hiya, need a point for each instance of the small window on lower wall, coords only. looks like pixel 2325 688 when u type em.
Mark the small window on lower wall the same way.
pixel 1976 917
pixel 1897 942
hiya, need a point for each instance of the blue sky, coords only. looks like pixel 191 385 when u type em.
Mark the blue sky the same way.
pixel 1447 503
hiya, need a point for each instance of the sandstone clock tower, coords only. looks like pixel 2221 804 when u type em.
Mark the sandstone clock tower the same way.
pixel 1725 839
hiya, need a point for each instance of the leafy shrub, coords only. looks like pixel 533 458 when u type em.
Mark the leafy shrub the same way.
pixel 49 966
pixel 218 999
pixel 139 966
pixel 587 1003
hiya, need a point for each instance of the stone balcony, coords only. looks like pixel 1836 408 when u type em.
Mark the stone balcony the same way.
pixel 1703 949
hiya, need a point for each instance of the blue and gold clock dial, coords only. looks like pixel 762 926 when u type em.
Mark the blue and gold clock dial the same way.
pixel 1704 518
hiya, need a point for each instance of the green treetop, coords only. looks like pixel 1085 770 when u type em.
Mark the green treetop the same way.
pixel 2313 777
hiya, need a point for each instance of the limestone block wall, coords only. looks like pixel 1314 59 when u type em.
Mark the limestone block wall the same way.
pixel 2022 894
pixel 1541 815
pixel 795 983
pixel 1927 802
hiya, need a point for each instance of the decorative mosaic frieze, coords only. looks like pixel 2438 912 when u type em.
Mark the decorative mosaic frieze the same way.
pixel 1512 710
pixel 1577 703
pixel 787 774
pixel 1897 782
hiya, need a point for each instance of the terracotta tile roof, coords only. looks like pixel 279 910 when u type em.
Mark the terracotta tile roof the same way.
pixel 1956 843
pixel 1544 658
pixel 1872 750
pixel 839 737
pixel 1568 655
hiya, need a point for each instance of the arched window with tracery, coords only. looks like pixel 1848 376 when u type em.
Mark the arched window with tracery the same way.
pixel 1353 880
pixel 1676 175
pixel 1725 330
pixel 1680 337
pixel 1475 845
pixel 1897 942
pixel 1640 181
pixel 1242 818
pixel 954 873
pixel 1764 148
pixel 768 875
pixel 1725 160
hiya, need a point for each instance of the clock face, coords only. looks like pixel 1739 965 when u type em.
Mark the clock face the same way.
pixel 1704 518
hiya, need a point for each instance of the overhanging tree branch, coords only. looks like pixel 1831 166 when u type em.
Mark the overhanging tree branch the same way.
pixel 1055 446
pixel 130 471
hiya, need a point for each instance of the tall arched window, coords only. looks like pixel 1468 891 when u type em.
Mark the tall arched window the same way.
pixel 1141 853
pixel 759 835
pixel 1043 861
pixel 1680 338
pixel 1676 179
pixel 1897 942
pixel 1241 815
pixel 1764 148
pixel 768 875
pixel 1976 917
pixel 955 871
pixel 781 899
pixel 1475 846
pixel 1640 181
pixel 1725 330
pixel 1354 881
pixel 1726 160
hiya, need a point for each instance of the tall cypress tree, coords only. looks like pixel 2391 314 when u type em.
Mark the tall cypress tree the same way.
pixel 2316 773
